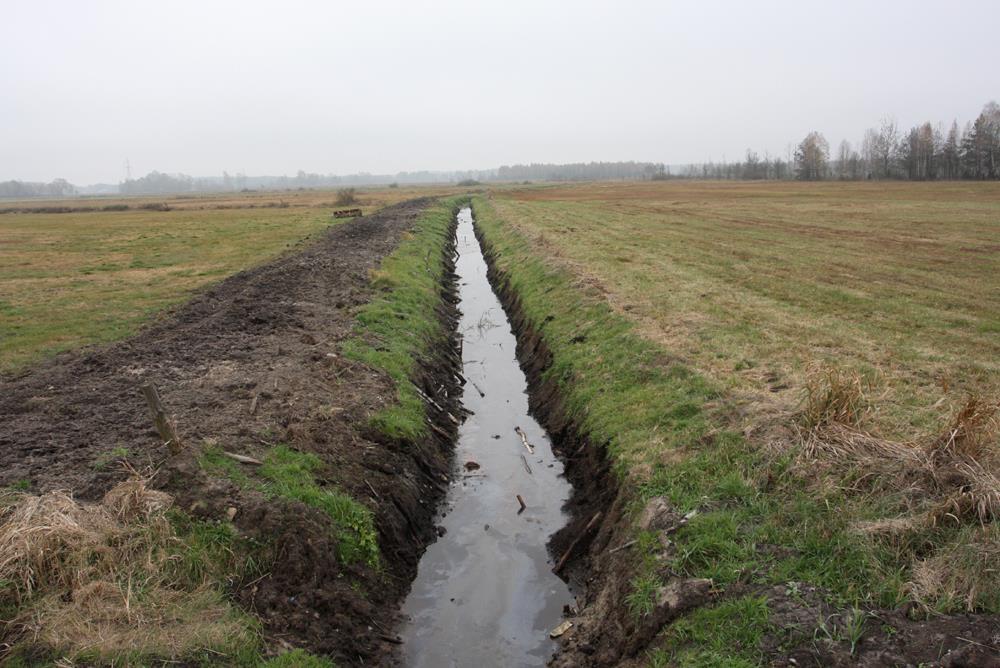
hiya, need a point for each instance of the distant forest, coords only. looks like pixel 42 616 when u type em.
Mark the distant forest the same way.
pixel 925 152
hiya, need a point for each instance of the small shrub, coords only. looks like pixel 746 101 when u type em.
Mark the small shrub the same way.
pixel 469 182
pixel 346 196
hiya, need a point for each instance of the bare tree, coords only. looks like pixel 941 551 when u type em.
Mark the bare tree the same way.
pixel 951 154
pixel 843 160
pixel 811 157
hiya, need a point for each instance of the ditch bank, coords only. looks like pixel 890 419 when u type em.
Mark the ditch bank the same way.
pixel 318 529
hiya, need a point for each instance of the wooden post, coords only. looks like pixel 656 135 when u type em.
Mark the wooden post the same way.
pixel 164 424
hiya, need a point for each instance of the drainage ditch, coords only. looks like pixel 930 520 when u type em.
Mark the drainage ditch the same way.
pixel 485 591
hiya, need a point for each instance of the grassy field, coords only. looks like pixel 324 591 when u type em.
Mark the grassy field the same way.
pixel 758 285
pixel 792 362
pixel 69 279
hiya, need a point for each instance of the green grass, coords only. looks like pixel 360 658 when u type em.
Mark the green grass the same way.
pixel 292 475
pixel 727 634
pixel 214 551
pixel 757 521
pixel 400 325
pixel 298 659
pixel 108 458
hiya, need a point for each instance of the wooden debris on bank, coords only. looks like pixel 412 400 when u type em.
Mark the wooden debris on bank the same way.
pixel 242 459
pixel 561 629
pixel 572 546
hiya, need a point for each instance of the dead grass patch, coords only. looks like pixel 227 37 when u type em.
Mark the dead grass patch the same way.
pixel 962 573
pixel 949 480
pixel 93 581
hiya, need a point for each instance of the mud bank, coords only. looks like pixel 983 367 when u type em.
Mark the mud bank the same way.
pixel 252 363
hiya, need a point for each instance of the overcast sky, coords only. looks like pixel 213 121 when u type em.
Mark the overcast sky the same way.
pixel 341 87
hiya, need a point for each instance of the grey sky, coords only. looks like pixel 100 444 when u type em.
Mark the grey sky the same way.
pixel 340 87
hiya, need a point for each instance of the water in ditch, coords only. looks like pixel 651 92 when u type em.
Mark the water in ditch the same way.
pixel 485 593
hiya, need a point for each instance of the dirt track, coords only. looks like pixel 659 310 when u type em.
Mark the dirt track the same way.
pixel 272 333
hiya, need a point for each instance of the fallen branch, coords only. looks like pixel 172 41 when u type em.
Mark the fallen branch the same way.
pixel 438 429
pixel 572 546
pixel 427 398
pixel 527 468
pixel 373 490
pixel 242 459
pixel 524 439
pixel 523 504
pixel 624 546
pixel 478 389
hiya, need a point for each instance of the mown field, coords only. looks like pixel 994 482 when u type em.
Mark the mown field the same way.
pixel 70 279
pixel 761 285
pixel 810 371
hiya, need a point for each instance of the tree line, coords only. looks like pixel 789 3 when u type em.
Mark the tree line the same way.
pixel 925 152
pixel 25 189
pixel 577 171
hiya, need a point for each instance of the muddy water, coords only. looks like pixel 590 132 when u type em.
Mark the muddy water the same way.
pixel 485 594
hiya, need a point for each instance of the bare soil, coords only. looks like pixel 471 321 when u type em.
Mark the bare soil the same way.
pixel 249 363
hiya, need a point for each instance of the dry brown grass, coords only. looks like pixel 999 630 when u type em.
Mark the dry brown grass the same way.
pixel 92 580
pixel 835 396
pixel 962 573
pixel 954 473
pixel 947 480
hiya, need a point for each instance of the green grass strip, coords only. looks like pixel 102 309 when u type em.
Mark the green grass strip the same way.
pixel 400 325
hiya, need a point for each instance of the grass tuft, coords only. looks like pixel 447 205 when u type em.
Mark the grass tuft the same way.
pixel 835 396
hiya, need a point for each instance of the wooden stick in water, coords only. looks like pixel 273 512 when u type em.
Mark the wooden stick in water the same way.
pixel 524 439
